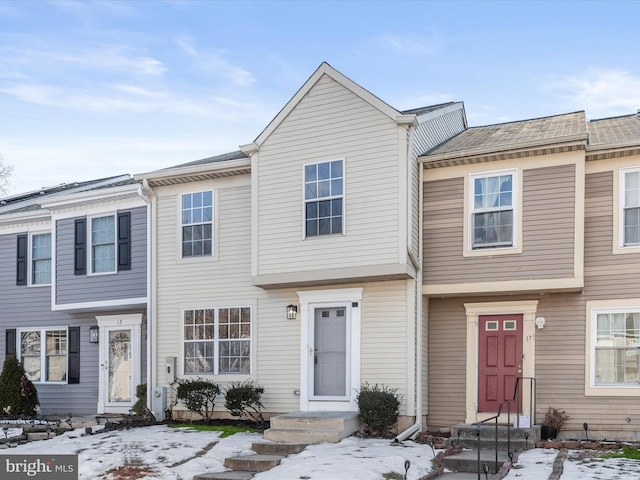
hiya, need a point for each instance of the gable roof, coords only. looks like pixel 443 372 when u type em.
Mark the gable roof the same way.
pixel 503 137
pixel 326 69
pixel 614 131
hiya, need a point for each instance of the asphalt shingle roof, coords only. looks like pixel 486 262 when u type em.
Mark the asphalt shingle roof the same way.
pixel 504 135
pixel 235 155
pixel 614 130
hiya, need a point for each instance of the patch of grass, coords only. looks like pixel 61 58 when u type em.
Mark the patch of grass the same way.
pixel 392 476
pixel 226 430
pixel 626 452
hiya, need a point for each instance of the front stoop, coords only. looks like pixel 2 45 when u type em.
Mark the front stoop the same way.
pixel 312 427
pixel 244 467
pixel 465 434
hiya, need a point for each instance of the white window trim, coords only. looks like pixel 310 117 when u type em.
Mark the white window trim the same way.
pixel 343 196
pixel 468 250
pixel 214 233
pixel 618 212
pixel 43 363
pixel 227 377
pixel 89 227
pixel 593 309
pixel 30 259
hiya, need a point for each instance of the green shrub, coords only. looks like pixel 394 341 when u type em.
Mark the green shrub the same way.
pixel 379 407
pixel 18 395
pixel 242 399
pixel 140 407
pixel 198 395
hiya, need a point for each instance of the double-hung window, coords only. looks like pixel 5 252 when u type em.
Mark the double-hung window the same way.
pixel 324 198
pixel 41 259
pixel 197 224
pixel 43 353
pixel 616 348
pixel 103 244
pixel 630 197
pixel 493 198
pixel 217 341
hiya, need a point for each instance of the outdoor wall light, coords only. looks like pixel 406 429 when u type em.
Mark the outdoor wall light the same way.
pixel 292 312
pixel 540 321
pixel 93 334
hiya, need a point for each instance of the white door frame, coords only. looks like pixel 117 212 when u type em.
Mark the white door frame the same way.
pixel 351 300
pixel 106 324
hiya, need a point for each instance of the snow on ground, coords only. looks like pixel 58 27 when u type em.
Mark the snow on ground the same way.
pixel 179 454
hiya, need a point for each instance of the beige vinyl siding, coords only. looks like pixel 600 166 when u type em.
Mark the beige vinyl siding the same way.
pixel 606 275
pixel 447 345
pixel 548 224
pixel 386 322
pixel 424 372
pixel 329 123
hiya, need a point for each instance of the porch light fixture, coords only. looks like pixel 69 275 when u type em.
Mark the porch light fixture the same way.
pixel 292 312
pixel 93 334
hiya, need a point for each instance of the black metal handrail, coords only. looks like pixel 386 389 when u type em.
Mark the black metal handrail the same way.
pixel 517 395
pixel 479 442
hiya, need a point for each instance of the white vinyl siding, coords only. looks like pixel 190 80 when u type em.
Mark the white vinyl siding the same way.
pixel 330 122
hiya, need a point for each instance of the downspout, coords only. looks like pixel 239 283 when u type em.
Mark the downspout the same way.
pixel 415 429
pixel 146 193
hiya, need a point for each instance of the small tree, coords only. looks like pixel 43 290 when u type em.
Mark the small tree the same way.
pixel 18 395
pixel 198 395
pixel 5 174
pixel 242 399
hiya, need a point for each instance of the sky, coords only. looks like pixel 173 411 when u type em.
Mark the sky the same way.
pixel 98 88
pixel 179 454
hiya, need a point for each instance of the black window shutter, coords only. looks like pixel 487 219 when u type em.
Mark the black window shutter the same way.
pixel 80 247
pixel 21 260
pixel 74 355
pixel 10 341
pixel 124 241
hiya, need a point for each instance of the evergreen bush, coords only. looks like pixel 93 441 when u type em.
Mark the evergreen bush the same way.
pixel 379 408
pixel 140 407
pixel 198 396
pixel 242 399
pixel 18 395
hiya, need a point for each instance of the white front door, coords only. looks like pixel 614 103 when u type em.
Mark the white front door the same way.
pixel 119 362
pixel 330 349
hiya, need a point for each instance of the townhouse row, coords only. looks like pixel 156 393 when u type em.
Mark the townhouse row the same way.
pixel 350 242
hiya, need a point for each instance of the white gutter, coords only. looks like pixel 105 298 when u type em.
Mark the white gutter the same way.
pixel 146 193
pixel 415 429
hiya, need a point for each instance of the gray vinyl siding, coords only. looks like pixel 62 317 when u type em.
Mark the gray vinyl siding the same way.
pixel 548 231
pixel 24 307
pixel 330 123
pixel 92 288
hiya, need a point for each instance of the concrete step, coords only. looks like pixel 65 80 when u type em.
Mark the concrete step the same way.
pixel 253 463
pixel 284 449
pixel 466 436
pixel 312 427
pixel 460 476
pixel 228 475
pixel 467 461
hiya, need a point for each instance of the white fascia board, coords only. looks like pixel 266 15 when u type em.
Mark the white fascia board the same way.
pixel 124 302
pixel 425 117
pixel 227 165
pixel 92 196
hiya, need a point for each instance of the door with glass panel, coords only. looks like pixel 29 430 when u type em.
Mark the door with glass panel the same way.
pixel 119 366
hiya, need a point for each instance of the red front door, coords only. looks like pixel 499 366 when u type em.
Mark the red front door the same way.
pixel 499 360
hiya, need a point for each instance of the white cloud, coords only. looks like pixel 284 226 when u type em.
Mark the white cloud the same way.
pixel 409 44
pixel 600 92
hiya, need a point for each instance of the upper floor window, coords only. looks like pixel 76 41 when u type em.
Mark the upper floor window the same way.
pixel 197 224
pixel 217 341
pixel 324 198
pixel 103 244
pixel 43 354
pixel 631 207
pixel 616 348
pixel 41 259
pixel 493 210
